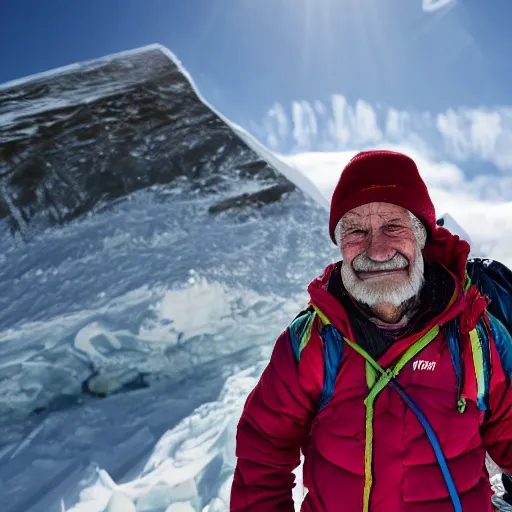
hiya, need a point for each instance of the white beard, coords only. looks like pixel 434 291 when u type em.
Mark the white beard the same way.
pixel 383 290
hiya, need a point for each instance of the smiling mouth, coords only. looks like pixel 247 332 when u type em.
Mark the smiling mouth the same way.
pixel 381 274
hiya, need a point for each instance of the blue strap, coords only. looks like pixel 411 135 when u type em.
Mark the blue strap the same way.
pixel 451 331
pixel 333 352
pixel 298 332
pixel 457 506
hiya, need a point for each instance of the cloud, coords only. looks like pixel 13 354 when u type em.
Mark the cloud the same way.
pixel 276 125
pixel 305 128
pixel 434 5
pixel 461 134
pixel 481 133
pixel 339 126
pixel 398 123
pixel 358 124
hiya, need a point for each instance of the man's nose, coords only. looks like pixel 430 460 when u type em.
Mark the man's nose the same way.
pixel 379 248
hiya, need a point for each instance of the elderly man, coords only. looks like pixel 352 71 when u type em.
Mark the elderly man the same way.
pixel 395 381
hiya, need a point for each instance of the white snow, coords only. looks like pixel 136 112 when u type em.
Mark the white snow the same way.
pixel 452 225
pixel 179 463
pixel 168 445
pixel 119 502
pixel 294 174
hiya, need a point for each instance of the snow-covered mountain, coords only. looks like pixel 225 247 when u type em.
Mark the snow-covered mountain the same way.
pixel 149 258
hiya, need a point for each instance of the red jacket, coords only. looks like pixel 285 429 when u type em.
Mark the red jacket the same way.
pixel 279 419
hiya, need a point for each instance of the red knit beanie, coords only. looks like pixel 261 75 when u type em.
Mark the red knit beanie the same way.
pixel 382 176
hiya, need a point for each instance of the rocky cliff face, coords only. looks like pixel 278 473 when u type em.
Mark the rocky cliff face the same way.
pixel 76 140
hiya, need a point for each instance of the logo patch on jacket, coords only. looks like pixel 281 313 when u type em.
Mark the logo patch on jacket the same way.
pixel 424 365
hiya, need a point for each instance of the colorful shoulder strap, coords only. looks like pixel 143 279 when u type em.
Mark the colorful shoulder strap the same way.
pixel 300 333
pixel 378 379
pixel 479 339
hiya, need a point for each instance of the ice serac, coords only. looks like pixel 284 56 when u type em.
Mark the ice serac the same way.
pixel 78 139
pixel 119 502
pixel 146 188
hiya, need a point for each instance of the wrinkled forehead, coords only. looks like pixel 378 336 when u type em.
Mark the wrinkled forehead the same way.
pixel 370 212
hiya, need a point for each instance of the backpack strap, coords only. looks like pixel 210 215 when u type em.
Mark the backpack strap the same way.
pixel 333 352
pixel 300 333
pixel 452 336
pixel 479 340
pixel 379 381
pixel 494 281
pixel 481 352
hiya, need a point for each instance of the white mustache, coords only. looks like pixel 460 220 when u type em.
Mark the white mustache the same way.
pixel 363 263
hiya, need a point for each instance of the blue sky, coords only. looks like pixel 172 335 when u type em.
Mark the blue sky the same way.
pixel 247 54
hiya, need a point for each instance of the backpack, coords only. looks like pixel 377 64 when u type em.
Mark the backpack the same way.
pixel 494 280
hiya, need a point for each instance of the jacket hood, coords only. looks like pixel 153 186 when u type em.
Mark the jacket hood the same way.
pixel 450 251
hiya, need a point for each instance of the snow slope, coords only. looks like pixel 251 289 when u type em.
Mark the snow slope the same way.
pixel 151 285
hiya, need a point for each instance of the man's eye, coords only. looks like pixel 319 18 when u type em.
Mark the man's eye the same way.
pixel 357 232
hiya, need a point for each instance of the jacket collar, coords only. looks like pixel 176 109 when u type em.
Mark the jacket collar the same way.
pixel 442 247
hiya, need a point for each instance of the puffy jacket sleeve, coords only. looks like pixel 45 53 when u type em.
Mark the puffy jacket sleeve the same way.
pixel 497 429
pixel 274 424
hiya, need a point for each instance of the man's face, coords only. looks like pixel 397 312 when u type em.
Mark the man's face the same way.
pixel 382 262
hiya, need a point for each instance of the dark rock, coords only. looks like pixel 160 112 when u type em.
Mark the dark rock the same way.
pixel 78 139
pixel 255 200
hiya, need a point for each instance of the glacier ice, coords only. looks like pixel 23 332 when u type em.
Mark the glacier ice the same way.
pixel 162 257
